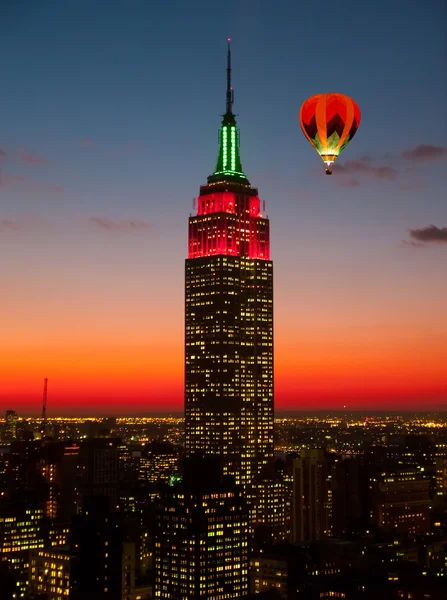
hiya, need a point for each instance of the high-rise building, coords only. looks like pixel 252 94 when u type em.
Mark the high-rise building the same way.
pixel 158 462
pixel 349 497
pixel 229 317
pixel 201 536
pixel 310 496
pixel 98 470
pixel 96 571
pixel 21 531
pixel 400 501
pixel 23 474
pixel 50 572
pixel 270 513
pixel 58 466
pixel 57 573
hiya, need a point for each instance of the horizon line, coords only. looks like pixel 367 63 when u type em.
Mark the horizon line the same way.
pixel 157 413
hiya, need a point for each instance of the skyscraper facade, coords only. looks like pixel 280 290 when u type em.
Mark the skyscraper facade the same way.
pixel 229 317
pixel 310 496
pixel 201 536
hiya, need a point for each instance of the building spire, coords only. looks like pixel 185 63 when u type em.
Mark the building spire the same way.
pixel 230 92
pixel 229 163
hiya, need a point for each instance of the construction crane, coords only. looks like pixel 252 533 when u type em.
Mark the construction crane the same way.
pixel 44 408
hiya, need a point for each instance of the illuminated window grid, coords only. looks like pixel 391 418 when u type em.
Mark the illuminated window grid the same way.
pixel 19 534
pixel 229 314
pixel 50 573
pixel 202 546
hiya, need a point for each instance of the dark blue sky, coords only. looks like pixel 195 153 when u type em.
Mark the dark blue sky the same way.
pixel 147 78
pixel 144 82
pixel 110 109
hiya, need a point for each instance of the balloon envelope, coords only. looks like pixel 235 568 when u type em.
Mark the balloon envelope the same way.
pixel 329 122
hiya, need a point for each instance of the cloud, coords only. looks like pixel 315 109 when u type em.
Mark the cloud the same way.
pixel 412 244
pixel 87 142
pixel 28 222
pixel 8 225
pixel 26 157
pixel 389 167
pixel 428 234
pixel 6 179
pixel 364 166
pixel 30 185
pixel 424 152
pixel 124 225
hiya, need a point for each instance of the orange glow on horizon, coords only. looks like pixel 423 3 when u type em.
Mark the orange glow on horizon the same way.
pixel 143 378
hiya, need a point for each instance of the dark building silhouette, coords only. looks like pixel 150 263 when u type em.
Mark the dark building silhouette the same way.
pixel 25 484
pixel 59 468
pixel 349 486
pixel 229 318
pixel 98 470
pixel 201 537
pixel 8 580
pixel 97 551
pixel 310 496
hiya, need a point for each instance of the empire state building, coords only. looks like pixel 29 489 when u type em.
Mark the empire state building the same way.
pixel 229 317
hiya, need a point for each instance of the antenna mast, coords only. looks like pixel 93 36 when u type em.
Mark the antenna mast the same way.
pixel 230 91
pixel 44 407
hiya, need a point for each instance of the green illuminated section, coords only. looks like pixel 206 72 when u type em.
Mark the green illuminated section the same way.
pixel 229 162
pixel 224 147
pixel 174 479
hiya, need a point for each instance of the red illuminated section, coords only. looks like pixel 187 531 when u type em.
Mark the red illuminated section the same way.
pixel 215 203
pixel 229 224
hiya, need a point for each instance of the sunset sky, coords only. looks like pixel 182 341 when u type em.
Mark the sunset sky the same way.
pixel 109 112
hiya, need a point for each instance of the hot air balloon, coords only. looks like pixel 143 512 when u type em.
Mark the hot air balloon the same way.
pixel 329 121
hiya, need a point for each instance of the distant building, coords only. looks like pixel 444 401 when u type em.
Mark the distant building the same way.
pixel 97 547
pixel 10 430
pixel 58 466
pixel 270 573
pixel 400 501
pixel 287 569
pixel 57 533
pixel 270 511
pixel 436 559
pixel 98 470
pixel 348 484
pixel 21 530
pixel 53 573
pixel 23 473
pixel 310 496
pixel 201 538
pixel 441 479
pixel 158 462
pixel 50 573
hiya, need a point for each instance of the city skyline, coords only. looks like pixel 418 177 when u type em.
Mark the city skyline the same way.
pixel 94 200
